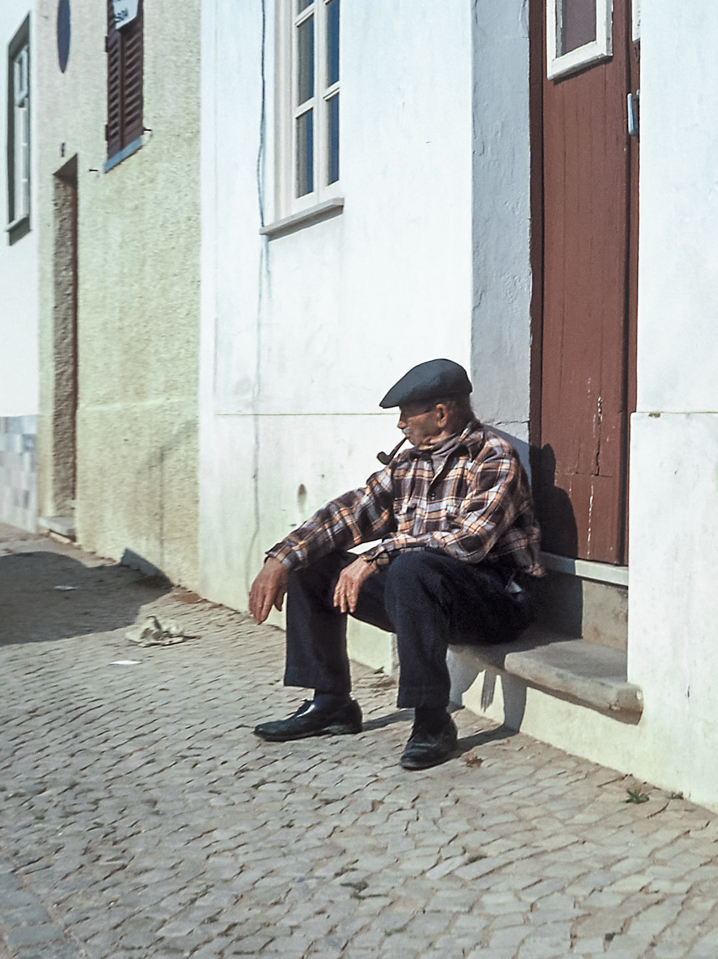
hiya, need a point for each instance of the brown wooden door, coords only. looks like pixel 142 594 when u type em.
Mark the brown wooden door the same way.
pixel 587 323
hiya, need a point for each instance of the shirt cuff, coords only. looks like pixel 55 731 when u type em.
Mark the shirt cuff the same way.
pixel 285 554
pixel 378 557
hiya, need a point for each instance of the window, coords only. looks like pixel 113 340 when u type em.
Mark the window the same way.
pixel 308 107
pixel 578 33
pixel 18 134
pixel 124 46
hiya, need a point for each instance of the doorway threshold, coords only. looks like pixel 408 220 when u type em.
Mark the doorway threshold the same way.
pixel 60 525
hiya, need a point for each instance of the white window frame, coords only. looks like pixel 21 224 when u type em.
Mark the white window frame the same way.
pixel 636 21
pixel 599 49
pixel 18 134
pixel 287 20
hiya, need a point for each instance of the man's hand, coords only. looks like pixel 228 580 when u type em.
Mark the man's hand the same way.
pixel 268 590
pixel 349 583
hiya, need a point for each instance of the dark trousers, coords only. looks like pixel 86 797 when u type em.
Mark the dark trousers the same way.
pixel 427 598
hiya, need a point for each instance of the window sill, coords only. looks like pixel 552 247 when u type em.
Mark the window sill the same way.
pixel 297 221
pixel 123 154
pixel 18 229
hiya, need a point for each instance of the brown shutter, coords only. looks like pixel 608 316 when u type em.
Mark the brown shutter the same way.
pixel 114 86
pixel 132 36
pixel 124 81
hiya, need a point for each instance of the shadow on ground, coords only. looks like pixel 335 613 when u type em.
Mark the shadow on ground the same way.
pixel 102 597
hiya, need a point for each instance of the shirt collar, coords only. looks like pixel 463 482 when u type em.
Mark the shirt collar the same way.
pixel 470 437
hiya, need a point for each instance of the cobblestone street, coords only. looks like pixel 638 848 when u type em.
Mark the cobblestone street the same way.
pixel 141 817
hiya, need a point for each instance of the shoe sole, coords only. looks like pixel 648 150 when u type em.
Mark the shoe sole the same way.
pixel 326 731
pixel 408 764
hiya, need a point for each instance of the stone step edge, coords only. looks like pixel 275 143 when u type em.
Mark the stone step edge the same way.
pixel 61 525
pixel 590 674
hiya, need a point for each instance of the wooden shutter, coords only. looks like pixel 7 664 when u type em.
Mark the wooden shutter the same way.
pixel 124 81
pixel 132 37
pixel 113 45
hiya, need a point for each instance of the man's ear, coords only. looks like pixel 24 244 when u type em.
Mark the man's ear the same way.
pixel 442 412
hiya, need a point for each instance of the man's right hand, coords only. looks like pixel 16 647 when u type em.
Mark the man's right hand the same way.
pixel 268 590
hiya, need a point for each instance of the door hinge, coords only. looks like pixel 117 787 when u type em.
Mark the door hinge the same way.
pixel 633 101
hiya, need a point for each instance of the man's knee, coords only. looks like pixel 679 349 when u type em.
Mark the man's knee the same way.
pixel 412 573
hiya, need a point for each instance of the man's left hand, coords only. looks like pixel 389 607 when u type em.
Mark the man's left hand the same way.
pixel 349 583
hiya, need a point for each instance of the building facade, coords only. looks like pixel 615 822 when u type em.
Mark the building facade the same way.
pixel 19 358
pixel 246 221
pixel 390 182
pixel 118 202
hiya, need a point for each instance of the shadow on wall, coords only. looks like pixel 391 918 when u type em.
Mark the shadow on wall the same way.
pixel 33 607
pixel 159 465
pixel 554 509
pixel 464 668
pixel 559 599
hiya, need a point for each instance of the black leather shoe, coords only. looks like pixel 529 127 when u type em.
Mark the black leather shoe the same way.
pixel 429 748
pixel 309 720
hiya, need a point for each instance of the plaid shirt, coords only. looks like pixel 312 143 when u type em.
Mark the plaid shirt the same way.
pixel 475 505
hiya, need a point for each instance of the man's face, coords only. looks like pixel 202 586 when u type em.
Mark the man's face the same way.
pixel 419 422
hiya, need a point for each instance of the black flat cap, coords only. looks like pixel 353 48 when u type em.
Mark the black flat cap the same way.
pixel 432 380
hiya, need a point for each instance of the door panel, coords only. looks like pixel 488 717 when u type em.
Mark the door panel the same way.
pixel 588 310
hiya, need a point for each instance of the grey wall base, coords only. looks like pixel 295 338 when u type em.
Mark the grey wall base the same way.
pixel 18 471
pixel 583 608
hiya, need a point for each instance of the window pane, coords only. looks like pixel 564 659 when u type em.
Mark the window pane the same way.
pixel 21 161
pixel 302 5
pixel 333 139
pixel 305 61
pixel 25 159
pixel 305 153
pixel 578 24
pixel 20 78
pixel 332 42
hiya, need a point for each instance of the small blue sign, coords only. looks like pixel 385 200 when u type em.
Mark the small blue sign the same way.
pixel 63 33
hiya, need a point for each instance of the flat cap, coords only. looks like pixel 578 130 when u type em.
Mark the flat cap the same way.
pixel 428 381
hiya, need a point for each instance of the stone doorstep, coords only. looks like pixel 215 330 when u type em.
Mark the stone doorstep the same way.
pixel 592 675
pixel 62 525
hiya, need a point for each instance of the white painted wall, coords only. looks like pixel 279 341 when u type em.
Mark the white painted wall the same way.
pixel 19 364
pixel 501 328
pixel 673 614
pixel 302 335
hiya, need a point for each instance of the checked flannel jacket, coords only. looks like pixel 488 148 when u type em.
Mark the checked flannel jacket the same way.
pixel 476 507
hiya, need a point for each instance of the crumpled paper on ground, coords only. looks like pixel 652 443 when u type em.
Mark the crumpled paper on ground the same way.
pixel 154 633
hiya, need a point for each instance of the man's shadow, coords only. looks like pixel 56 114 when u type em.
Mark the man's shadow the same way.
pixel 46 595
pixel 554 511
pixel 559 598
pixel 465 744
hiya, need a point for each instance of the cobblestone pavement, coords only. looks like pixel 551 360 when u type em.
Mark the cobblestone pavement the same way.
pixel 141 817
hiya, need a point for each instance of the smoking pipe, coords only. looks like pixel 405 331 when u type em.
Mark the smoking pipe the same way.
pixel 386 458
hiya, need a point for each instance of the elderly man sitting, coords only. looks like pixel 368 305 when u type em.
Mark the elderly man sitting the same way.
pixel 456 556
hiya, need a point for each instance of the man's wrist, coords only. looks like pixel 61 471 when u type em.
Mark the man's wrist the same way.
pixel 283 555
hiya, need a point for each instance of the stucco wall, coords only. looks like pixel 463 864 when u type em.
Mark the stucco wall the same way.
pixel 138 302
pixel 674 468
pixel 302 335
pixel 19 367
pixel 19 354
pixel 501 327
